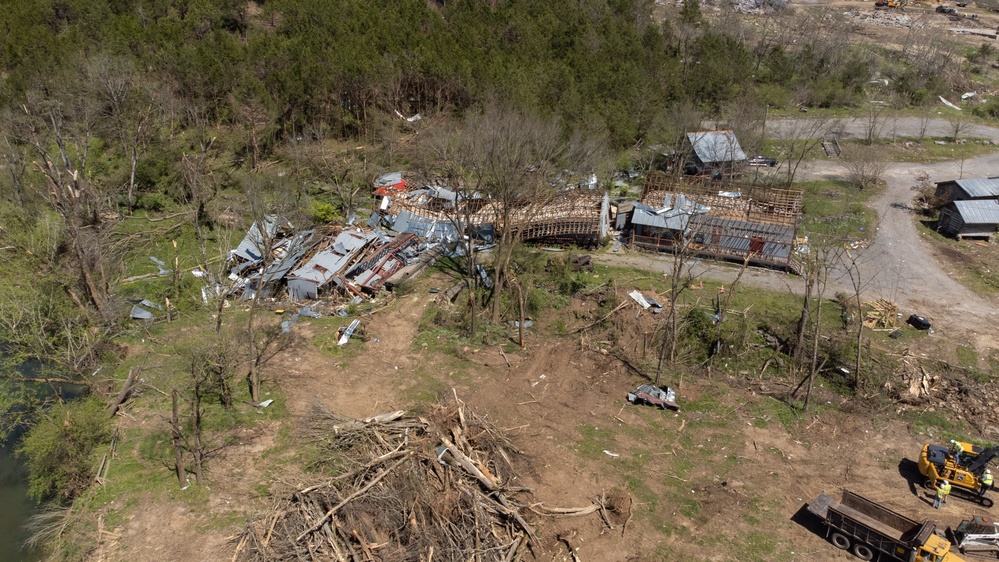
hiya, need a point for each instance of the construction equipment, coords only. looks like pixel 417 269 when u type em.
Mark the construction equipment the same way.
pixel 978 536
pixel 936 463
pixel 885 4
pixel 870 530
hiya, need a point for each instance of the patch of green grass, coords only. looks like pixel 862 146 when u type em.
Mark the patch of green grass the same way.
pixel 426 388
pixel 937 425
pixel 967 357
pixel 594 440
pixel 837 208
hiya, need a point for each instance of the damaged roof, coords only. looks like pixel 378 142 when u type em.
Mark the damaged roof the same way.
pixel 252 246
pixel 715 147
pixel 431 229
pixel 327 263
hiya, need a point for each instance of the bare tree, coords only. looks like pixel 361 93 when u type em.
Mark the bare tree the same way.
pixel 958 127
pixel 875 119
pixel 861 276
pixel 824 255
pixel 512 157
pixel 801 136
pixel 865 166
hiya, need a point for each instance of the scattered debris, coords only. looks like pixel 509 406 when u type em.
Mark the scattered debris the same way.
pixel 265 403
pixel 918 322
pixel 581 262
pixel 949 104
pixel 139 313
pixel 652 395
pixel 160 265
pixel 345 337
pixel 882 314
pixel 610 454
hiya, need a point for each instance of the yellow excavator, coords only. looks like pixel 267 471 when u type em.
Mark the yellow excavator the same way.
pixel 883 4
pixel 937 463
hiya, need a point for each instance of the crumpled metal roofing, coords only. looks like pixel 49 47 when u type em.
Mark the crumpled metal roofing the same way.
pixel 713 147
pixel 324 265
pixel 252 246
pixel 431 229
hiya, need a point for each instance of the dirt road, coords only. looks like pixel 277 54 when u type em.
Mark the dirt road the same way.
pixel 899 264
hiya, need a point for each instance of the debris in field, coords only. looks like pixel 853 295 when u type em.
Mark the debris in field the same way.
pixel 640 299
pixel 348 332
pixel 516 323
pixel 440 483
pixel 918 322
pixel 581 262
pixel 265 403
pixel 160 265
pixel 949 104
pixel 308 312
pixel 652 395
pixel 139 313
pixel 883 314
pixel 150 304
pixel 610 454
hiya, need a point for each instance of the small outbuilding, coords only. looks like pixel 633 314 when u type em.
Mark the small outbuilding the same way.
pixel 714 152
pixel 969 189
pixel 975 219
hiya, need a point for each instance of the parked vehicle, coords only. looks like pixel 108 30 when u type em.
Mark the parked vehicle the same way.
pixel 978 536
pixel 764 161
pixel 872 531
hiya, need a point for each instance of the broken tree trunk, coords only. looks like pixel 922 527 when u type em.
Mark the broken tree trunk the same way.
pixel 178 455
pixel 126 388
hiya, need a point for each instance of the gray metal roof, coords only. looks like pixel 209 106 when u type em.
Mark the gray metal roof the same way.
pixel 979 187
pixel 675 219
pixel 293 251
pixel 252 246
pixel 387 179
pixel 734 234
pixel 978 212
pixel 432 230
pixel 324 265
pixel 716 146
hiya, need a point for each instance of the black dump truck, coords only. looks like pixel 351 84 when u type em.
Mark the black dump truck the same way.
pixel 873 532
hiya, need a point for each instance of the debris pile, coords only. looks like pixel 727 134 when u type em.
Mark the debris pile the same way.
pixel 882 313
pixel 883 18
pixel 438 487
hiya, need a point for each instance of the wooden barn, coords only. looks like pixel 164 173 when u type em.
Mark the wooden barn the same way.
pixel 969 219
pixel 969 189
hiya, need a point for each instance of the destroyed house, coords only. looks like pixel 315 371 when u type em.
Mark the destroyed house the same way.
pixel 572 216
pixel 744 221
pixel 715 152
pixel 391 183
pixel 286 254
pixel 328 264
pixel 251 249
pixel 969 219
pixel 971 189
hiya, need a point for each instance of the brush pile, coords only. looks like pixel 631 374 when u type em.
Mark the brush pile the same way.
pixel 439 487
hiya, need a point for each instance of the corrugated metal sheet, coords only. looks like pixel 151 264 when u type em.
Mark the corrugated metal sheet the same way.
pixel 324 265
pixel 979 187
pixel 978 212
pixel 737 236
pixel 432 230
pixel 675 219
pixel 252 246
pixel 716 147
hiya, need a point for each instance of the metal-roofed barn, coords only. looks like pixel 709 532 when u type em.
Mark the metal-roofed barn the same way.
pixel 975 219
pixel 746 220
pixel 968 189
pixel 717 152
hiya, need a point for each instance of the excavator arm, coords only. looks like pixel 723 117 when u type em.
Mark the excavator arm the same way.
pixel 978 464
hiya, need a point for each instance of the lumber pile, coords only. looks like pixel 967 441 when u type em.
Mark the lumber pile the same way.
pixel 881 313
pixel 436 487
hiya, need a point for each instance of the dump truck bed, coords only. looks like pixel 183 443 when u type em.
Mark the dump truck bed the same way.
pixel 887 531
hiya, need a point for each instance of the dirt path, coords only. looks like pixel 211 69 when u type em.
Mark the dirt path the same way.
pixel 899 264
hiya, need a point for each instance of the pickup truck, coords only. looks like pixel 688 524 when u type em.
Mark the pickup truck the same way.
pixel 873 532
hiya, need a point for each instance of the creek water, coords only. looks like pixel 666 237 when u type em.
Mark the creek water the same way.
pixel 16 507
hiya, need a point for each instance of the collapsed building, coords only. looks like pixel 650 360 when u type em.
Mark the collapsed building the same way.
pixel 733 223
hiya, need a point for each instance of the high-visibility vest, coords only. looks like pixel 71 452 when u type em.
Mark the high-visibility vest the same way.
pixel 946 488
pixel 958 448
pixel 941 492
pixel 987 479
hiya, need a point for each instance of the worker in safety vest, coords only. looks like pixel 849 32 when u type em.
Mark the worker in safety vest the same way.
pixel 986 482
pixel 941 494
pixel 957 449
pixel 946 487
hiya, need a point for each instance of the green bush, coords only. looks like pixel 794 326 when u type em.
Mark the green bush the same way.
pixel 323 212
pixel 60 450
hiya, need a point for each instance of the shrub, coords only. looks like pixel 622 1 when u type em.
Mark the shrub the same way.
pixel 59 451
pixel 322 212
